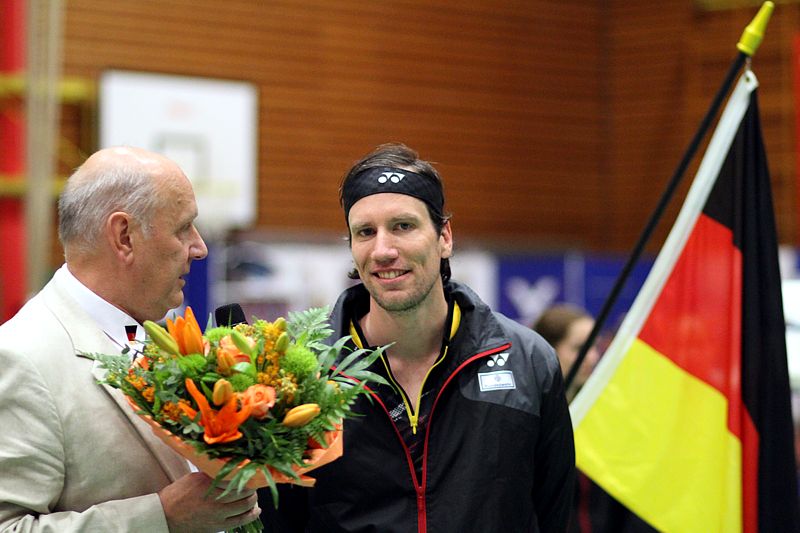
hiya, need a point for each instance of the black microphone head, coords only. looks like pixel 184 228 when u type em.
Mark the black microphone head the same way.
pixel 229 315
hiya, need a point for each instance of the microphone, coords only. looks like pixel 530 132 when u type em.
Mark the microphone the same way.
pixel 229 315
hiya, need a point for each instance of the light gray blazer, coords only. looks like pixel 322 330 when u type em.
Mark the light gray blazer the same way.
pixel 73 455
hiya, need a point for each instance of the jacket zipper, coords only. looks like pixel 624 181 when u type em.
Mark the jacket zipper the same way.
pixel 412 410
pixel 420 488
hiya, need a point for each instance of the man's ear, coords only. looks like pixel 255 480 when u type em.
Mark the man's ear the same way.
pixel 446 240
pixel 119 234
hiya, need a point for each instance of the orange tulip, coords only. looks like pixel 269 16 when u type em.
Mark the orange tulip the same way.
pixel 218 426
pixel 186 332
pixel 224 362
pixel 227 345
pixel 260 398
pixel 228 355
pixel 222 392
pixel 300 415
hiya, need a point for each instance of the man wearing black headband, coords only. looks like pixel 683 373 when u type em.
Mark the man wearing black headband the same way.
pixel 471 431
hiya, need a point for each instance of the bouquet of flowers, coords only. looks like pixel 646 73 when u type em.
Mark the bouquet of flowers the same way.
pixel 254 405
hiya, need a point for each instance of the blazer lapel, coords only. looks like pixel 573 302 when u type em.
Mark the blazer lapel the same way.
pixel 87 338
pixel 173 464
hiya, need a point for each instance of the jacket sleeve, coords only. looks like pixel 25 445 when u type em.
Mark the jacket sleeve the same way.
pixel 554 488
pixel 32 462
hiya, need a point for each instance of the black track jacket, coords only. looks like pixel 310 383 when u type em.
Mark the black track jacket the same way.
pixel 498 454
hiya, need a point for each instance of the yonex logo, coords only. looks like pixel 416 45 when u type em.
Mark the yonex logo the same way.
pixel 499 360
pixel 394 177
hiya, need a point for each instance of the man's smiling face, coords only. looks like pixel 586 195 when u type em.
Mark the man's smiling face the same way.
pixel 397 250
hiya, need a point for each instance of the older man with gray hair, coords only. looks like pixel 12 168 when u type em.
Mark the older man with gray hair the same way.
pixel 73 455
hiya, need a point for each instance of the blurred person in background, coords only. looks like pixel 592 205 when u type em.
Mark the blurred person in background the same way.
pixel 73 455
pixel 471 431
pixel 567 327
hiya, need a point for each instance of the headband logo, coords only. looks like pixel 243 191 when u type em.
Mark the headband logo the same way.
pixel 394 177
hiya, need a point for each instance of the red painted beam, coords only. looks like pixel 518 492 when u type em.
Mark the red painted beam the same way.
pixel 12 162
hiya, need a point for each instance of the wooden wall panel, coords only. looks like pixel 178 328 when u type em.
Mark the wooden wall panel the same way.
pixel 554 124
pixel 504 95
pixel 668 59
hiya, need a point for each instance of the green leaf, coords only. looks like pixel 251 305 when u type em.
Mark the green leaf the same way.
pixel 366 375
pixel 331 353
pixel 309 326
pixel 350 359
pixel 246 473
pixel 273 488
pixel 211 377
pixel 245 368
pixel 191 365
pixel 209 393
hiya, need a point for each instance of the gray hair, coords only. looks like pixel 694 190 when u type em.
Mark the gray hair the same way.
pixel 92 194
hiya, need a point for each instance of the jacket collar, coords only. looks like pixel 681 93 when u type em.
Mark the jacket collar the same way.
pixel 104 314
pixel 86 335
pixel 479 329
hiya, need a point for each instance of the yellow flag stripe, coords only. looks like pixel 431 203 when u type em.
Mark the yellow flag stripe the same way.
pixel 657 440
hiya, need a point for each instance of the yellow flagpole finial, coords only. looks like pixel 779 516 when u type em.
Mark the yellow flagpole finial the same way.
pixel 754 32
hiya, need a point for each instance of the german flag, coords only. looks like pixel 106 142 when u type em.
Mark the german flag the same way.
pixel 687 418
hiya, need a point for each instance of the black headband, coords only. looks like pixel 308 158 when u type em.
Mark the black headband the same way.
pixel 389 179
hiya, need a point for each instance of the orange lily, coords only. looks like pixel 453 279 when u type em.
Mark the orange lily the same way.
pixel 218 426
pixel 186 332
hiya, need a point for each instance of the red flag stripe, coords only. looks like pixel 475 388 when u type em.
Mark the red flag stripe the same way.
pixel 685 323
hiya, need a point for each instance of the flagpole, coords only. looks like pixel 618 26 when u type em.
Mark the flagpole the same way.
pixel 748 44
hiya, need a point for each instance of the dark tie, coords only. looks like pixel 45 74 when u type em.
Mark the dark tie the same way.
pixel 135 348
pixel 130 332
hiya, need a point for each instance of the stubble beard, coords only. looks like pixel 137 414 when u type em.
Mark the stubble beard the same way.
pixel 407 304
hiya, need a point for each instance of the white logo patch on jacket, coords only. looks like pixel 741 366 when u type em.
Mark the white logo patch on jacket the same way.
pixel 497 380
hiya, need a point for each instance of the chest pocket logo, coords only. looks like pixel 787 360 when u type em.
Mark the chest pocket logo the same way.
pixel 497 359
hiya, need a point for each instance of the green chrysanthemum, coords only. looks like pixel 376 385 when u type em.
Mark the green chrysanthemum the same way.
pixel 240 381
pixel 299 361
pixel 215 334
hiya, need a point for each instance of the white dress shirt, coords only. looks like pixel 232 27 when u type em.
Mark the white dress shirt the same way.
pixel 112 320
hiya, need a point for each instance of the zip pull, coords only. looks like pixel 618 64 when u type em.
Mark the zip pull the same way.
pixel 413 419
